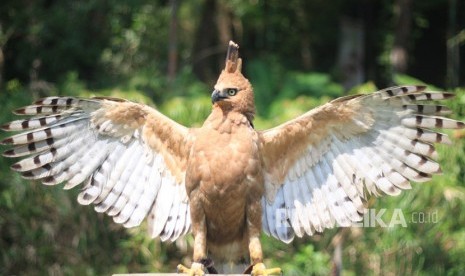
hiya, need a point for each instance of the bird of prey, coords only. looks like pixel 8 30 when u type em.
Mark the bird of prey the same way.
pixel 226 182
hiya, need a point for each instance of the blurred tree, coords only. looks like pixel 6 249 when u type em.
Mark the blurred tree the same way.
pixel 206 50
pixel 51 37
pixel 173 41
pixel 351 52
pixel 402 30
pixel 453 54
pixel 377 18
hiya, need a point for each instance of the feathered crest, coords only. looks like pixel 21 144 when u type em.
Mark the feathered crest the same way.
pixel 233 62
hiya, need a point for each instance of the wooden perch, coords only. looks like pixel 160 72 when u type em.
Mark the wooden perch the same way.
pixel 172 274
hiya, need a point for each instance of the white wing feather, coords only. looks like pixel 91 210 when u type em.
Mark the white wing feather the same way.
pixel 387 143
pixel 78 141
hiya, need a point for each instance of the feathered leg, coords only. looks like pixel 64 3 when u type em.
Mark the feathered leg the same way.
pixel 199 230
pixel 255 247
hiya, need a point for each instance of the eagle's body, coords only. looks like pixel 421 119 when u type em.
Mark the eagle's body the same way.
pixel 231 198
pixel 226 181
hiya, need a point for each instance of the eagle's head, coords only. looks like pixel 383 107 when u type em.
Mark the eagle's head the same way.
pixel 233 92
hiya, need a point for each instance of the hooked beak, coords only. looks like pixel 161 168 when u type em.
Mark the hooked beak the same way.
pixel 217 96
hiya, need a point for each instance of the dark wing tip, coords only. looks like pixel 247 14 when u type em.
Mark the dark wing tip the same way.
pixel 448 95
pixel 420 87
pixel 27 174
pixel 39 101
pixel 8 153
pixel 16 167
pixel 48 180
pixel 20 111
pixel 5 127
pixel 7 141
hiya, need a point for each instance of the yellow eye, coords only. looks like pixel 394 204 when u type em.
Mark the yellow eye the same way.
pixel 232 91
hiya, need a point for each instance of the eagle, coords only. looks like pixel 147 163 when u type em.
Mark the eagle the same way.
pixel 226 182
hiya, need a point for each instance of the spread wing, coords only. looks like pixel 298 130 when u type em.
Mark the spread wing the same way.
pixel 129 158
pixel 320 166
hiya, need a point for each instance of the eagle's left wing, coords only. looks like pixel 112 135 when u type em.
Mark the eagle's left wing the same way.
pixel 320 166
pixel 129 158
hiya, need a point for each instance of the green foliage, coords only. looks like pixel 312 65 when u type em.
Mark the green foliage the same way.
pixel 311 84
pixel 271 82
pixel 363 88
pixel 266 77
pixel 287 109
pixel 187 110
pixel 297 260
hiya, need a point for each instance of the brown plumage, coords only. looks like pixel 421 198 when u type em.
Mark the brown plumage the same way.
pixel 226 182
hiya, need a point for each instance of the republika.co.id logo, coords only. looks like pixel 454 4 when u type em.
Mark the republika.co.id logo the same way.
pixel 371 218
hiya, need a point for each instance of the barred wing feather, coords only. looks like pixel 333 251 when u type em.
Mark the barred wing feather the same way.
pixel 320 167
pixel 119 151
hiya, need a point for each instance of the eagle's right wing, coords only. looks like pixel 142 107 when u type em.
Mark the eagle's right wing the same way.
pixel 320 166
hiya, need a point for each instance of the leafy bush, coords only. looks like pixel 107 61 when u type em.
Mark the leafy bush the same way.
pixel 272 82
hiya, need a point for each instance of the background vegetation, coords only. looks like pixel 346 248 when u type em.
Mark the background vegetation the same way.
pixel 297 54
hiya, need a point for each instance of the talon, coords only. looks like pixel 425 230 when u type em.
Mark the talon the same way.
pixel 260 270
pixel 195 270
